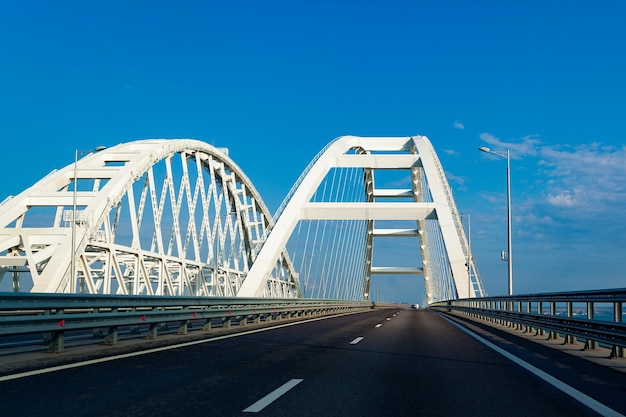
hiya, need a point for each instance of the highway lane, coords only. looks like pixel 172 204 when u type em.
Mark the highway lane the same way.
pixel 377 363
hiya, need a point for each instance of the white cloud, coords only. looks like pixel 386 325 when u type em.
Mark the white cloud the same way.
pixel 528 147
pixel 561 200
pixel 591 176
pixel 456 180
pixel 458 125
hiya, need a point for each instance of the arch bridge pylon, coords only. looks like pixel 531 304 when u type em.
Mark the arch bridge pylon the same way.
pixel 423 209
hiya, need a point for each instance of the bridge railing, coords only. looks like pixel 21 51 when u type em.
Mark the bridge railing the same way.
pixel 595 317
pixel 55 315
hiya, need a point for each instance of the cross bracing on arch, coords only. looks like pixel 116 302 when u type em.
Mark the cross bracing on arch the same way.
pixel 150 217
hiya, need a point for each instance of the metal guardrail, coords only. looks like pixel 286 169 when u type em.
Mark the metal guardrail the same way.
pixel 591 316
pixel 53 315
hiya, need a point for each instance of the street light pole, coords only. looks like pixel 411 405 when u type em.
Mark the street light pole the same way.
pixel 74 200
pixel 469 256
pixel 509 257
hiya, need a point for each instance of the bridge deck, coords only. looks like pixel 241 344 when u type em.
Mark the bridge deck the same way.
pixel 374 362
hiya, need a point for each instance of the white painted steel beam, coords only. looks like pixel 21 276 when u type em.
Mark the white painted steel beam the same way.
pixel 396 270
pixel 390 193
pixel 377 161
pixel 396 232
pixel 368 211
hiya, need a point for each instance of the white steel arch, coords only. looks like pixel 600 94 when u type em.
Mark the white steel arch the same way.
pixel 150 217
pixel 427 200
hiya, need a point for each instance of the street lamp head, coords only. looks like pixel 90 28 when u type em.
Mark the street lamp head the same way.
pixel 99 148
pixel 484 149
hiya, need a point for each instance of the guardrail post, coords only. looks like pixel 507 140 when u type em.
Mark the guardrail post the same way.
pixel 528 328
pixel 152 331
pixel 57 342
pixel 184 327
pixel 539 331
pixel 47 336
pixel 111 337
pixel 568 339
pixel 589 343
pixel 57 338
pixel 552 335
pixel 207 325
pixel 617 351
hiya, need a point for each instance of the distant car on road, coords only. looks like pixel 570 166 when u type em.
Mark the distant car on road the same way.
pixel 415 306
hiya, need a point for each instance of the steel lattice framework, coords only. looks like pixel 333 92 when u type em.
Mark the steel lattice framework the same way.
pixel 150 217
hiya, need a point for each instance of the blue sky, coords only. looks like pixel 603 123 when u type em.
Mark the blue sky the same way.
pixel 275 81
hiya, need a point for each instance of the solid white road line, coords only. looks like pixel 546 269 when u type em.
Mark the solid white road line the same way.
pixel 595 405
pixel 272 396
pixel 357 340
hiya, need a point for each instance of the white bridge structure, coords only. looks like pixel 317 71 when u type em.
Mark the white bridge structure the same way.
pixel 178 217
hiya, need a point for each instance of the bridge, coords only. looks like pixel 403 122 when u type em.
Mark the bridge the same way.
pixel 179 217
pixel 155 232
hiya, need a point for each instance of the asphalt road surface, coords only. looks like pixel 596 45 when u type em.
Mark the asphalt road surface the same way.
pixel 375 363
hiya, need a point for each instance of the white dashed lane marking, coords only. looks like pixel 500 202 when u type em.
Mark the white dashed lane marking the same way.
pixel 357 340
pixel 272 396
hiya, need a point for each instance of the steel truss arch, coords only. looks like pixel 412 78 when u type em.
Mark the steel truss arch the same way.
pixel 428 202
pixel 150 217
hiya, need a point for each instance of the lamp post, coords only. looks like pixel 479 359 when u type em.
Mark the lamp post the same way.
pixel 74 199
pixel 509 256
